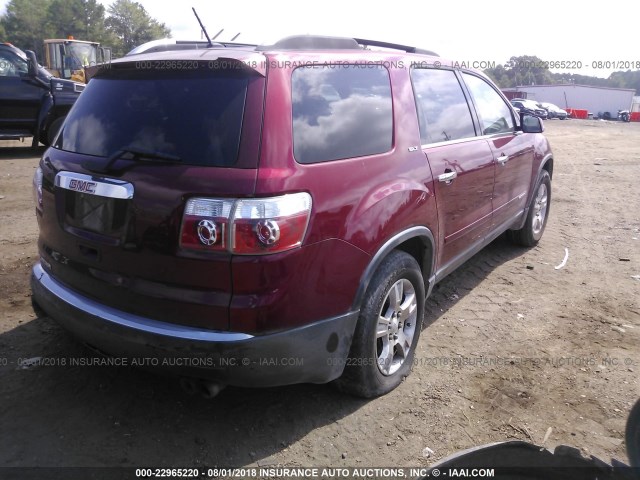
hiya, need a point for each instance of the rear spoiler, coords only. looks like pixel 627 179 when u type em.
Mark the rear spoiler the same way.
pixel 185 60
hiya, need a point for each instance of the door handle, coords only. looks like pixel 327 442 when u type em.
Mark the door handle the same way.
pixel 502 159
pixel 447 177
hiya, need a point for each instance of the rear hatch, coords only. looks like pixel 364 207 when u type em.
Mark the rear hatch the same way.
pixel 143 138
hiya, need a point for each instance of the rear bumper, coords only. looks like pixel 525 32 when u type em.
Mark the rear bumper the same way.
pixel 314 353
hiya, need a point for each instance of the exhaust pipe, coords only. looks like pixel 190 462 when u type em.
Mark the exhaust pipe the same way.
pixel 207 388
pixel 210 389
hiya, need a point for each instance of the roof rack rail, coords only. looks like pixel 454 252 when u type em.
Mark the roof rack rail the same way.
pixel 237 44
pixel 169 44
pixel 204 44
pixel 319 42
pixel 395 46
pixel 312 42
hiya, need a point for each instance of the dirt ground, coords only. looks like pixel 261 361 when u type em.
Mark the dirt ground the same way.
pixel 513 348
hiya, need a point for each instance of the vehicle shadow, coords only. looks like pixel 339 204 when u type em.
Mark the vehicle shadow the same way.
pixel 14 152
pixel 60 415
pixel 458 284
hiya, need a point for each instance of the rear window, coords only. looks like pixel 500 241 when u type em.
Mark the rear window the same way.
pixel 194 115
pixel 341 111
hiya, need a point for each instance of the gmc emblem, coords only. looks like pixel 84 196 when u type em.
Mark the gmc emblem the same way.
pixel 82 186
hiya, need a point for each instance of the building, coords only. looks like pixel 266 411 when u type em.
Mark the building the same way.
pixel 596 100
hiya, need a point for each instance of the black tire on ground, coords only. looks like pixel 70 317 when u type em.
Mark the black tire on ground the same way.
pixel 388 329
pixel 632 435
pixel 530 234
pixel 37 309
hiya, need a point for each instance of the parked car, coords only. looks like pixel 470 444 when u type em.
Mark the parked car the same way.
pixel 271 215
pixel 529 107
pixel 32 102
pixel 553 111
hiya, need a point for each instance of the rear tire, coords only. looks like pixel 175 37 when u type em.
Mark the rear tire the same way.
pixel 388 329
pixel 632 435
pixel 530 234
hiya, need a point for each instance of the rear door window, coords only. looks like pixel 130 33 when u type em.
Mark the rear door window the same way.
pixel 443 111
pixel 196 116
pixel 341 111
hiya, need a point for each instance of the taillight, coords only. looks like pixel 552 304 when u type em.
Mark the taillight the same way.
pixel 37 188
pixel 205 224
pixel 246 226
pixel 269 225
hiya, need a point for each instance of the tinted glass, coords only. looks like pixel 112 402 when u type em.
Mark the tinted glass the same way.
pixel 442 107
pixel 341 112
pixel 495 114
pixel 192 115
pixel 11 65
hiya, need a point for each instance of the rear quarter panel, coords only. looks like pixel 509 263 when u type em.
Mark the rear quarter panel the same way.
pixel 358 203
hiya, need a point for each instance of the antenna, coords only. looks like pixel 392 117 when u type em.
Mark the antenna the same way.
pixel 218 34
pixel 235 36
pixel 204 30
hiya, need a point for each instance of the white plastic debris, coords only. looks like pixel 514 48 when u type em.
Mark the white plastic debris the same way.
pixel 564 261
pixel 427 452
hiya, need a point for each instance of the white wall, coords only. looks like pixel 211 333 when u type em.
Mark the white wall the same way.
pixel 593 99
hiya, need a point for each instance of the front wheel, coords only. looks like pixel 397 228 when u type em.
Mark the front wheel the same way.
pixel 530 234
pixel 388 329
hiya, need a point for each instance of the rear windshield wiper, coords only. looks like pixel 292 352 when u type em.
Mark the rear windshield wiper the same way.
pixel 135 154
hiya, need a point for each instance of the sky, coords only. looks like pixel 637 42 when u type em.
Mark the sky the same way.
pixel 590 41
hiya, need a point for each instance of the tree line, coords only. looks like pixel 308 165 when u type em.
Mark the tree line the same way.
pixel 123 25
pixel 531 70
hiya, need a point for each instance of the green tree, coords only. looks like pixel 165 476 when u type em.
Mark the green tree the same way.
pixel 132 26
pixel 528 70
pixel 25 23
pixel 522 70
pixel 628 79
pixel 500 76
pixel 83 19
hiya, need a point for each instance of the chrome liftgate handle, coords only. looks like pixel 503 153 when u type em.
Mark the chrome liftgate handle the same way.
pixel 447 177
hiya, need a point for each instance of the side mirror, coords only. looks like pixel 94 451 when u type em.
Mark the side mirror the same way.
pixel 531 124
pixel 32 63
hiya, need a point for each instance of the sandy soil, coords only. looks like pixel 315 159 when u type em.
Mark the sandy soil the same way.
pixel 512 347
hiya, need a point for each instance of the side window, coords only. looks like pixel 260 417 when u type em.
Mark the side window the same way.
pixel 495 114
pixel 341 111
pixel 12 65
pixel 442 107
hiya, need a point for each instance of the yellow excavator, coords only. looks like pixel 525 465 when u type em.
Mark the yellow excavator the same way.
pixel 68 58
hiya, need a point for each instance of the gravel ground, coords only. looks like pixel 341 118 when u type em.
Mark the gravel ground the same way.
pixel 513 348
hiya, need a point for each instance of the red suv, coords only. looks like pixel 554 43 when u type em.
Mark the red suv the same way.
pixel 263 216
